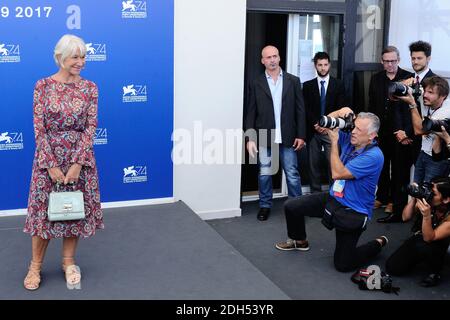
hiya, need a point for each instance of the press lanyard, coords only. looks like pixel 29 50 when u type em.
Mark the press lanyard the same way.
pixel 350 156
pixel 429 108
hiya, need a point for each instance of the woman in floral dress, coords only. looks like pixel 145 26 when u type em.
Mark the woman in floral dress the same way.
pixel 65 119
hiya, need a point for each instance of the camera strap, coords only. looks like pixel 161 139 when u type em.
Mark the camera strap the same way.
pixel 429 115
pixel 352 155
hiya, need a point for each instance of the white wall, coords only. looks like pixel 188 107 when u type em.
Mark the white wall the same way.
pixel 209 79
pixel 413 20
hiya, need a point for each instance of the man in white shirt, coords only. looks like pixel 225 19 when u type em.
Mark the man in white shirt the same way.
pixel 435 107
pixel 276 112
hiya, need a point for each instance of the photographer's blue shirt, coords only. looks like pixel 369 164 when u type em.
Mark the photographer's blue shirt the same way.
pixel 365 166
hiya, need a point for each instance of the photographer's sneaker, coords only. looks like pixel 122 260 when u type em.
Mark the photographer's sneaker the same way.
pixel 290 244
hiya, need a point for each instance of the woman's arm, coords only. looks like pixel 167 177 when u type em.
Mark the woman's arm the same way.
pixel 83 153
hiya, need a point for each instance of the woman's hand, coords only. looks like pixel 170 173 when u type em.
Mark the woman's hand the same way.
pixel 56 175
pixel 73 174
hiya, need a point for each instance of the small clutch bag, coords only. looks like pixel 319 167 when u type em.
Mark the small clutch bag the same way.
pixel 65 205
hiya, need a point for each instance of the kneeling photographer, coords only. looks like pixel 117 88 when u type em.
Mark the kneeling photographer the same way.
pixel 348 205
pixel 434 108
pixel 431 238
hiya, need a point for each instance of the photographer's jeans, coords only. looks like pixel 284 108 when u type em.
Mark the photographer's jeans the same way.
pixel 288 161
pixel 426 169
pixel 414 251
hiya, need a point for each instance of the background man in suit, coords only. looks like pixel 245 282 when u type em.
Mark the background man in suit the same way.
pixel 396 151
pixel 420 59
pixel 323 95
pixel 276 111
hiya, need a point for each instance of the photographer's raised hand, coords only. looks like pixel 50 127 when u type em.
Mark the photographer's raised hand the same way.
pixel 424 207
pixel 320 129
pixel 345 111
pixel 443 135
pixel 409 82
pixel 409 99
pixel 333 134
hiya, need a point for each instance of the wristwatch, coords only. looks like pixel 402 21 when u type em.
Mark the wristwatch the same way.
pixel 448 146
pixel 412 106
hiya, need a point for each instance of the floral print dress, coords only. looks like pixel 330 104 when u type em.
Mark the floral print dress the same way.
pixel 65 120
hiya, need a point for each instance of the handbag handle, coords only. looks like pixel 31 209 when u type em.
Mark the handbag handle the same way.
pixel 61 185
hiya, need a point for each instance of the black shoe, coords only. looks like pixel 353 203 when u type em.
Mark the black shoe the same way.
pixel 431 280
pixel 391 218
pixel 263 214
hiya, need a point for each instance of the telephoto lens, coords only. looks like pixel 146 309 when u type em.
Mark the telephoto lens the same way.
pixel 397 89
pixel 435 125
pixel 345 124
pixel 328 122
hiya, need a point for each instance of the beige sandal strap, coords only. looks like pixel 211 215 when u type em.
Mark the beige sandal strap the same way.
pixel 73 274
pixel 33 277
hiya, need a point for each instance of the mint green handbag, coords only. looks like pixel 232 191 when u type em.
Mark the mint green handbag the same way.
pixel 65 205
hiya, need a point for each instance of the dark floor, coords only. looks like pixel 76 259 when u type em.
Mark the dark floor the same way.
pixel 168 252
pixel 149 252
pixel 311 274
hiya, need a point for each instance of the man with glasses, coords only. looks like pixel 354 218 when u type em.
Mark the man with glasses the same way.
pixel 393 140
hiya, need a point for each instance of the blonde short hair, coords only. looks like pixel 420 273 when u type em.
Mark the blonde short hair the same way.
pixel 68 46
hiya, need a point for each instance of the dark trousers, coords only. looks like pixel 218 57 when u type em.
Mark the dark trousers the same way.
pixel 347 256
pixel 384 191
pixel 402 161
pixel 315 160
pixel 416 250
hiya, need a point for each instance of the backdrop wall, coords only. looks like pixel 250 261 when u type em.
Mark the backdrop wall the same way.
pixel 209 82
pixel 427 20
pixel 130 58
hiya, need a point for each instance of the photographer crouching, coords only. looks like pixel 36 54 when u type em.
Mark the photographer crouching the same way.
pixel 348 205
pixel 431 238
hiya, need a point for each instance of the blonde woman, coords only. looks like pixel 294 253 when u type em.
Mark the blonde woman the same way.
pixel 65 119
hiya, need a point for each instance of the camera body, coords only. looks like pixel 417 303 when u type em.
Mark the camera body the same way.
pixel 421 191
pixel 345 124
pixel 400 89
pixel 435 125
